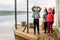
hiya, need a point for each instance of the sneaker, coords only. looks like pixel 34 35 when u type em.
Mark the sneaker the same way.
pixel 44 32
pixel 34 33
pixel 52 35
pixel 48 34
pixel 38 33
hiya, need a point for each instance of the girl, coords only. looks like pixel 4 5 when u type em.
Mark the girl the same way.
pixel 50 20
pixel 44 17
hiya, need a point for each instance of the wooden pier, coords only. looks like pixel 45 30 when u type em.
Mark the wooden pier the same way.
pixel 30 36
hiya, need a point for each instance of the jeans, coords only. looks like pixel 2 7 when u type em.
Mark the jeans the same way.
pixel 49 25
pixel 45 26
pixel 36 24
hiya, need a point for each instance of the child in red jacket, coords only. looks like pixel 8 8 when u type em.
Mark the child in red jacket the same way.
pixel 50 20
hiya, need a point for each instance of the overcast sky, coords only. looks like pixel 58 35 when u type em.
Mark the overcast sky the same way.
pixel 21 4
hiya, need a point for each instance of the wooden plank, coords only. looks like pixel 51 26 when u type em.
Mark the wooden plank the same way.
pixel 25 35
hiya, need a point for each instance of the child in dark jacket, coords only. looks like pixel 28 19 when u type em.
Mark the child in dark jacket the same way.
pixel 50 20
pixel 44 17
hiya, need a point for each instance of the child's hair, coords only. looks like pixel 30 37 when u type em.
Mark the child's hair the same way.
pixel 45 10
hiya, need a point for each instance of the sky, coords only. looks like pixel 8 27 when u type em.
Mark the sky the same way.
pixel 22 4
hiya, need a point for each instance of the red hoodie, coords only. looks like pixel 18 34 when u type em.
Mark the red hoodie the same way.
pixel 50 17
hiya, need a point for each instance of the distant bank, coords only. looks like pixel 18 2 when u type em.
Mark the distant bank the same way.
pixel 12 12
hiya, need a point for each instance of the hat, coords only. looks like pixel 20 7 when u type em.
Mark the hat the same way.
pixel 50 9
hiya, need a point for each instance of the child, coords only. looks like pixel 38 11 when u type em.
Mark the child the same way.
pixel 44 17
pixel 50 20
pixel 36 17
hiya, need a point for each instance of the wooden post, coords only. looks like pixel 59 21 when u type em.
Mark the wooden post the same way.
pixel 31 25
pixel 27 17
pixel 42 25
pixel 15 14
pixel 23 24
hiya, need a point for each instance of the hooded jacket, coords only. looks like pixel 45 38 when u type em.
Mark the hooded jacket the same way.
pixel 50 17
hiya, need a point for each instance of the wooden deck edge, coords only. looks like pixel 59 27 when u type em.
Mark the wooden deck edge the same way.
pixel 25 35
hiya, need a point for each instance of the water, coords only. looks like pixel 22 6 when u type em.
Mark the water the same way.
pixel 6 27
pixel 7 24
pixel 23 17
